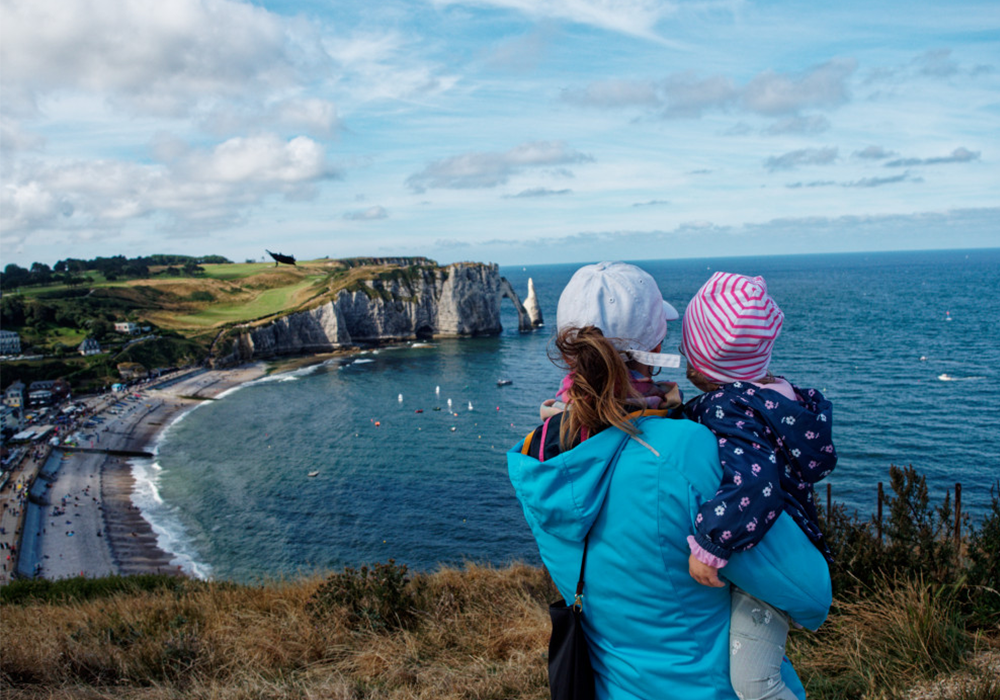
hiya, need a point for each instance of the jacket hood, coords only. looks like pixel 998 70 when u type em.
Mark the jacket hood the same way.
pixel 805 430
pixel 564 494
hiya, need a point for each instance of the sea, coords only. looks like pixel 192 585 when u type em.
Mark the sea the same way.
pixel 408 441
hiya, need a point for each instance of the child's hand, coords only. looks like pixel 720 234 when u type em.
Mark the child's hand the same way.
pixel 703 573
pixel 551 407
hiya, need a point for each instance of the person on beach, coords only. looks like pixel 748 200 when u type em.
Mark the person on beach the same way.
pixel 775 442
pixel 626 485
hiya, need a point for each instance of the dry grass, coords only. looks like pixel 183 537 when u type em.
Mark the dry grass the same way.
pixel 878 647
pixel 475 633
pixel 480 633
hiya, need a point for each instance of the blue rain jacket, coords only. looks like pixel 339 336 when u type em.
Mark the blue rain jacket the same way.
pixel 653 631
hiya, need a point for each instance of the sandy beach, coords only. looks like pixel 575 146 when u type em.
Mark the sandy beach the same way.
pixel 81 520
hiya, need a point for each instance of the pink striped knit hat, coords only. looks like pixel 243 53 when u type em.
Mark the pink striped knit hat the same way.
pixel 730 327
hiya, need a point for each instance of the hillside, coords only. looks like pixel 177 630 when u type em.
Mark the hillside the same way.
pixel 180 312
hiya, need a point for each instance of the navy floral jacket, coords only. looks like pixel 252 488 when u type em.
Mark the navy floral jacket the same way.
pixel 773 449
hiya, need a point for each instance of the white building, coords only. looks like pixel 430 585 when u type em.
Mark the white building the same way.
pixel 14 396
pixel 89 346
pixel 10 343
pixel 126 327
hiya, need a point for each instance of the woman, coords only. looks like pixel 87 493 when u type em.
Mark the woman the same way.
pixel 653 632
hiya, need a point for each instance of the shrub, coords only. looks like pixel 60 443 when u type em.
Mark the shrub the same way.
pixel 916 539
pixel 376 597
pixel 984 567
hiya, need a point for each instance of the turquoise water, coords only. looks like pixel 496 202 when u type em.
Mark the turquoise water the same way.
pixel 230 491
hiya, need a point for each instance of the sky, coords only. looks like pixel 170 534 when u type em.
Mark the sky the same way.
pixel 508 131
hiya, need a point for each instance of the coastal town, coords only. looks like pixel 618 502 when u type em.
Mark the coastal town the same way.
pixel 66 487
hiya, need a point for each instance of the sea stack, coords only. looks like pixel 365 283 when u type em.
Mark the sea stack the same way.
pixel 531 306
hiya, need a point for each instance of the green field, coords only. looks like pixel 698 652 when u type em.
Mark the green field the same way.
pixel 236 271
pixel 271 301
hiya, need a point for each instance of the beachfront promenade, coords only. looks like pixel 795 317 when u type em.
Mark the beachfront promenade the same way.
pixel 69 512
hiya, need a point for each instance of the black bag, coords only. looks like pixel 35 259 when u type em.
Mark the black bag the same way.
pixel 571 675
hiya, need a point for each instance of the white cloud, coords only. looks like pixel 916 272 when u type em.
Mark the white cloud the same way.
pixel 259 159
pixel 536 192
pixel 773 93
pixel 633 17
pixel 209 187
pixel 473 170
pixel 959 155
pixel 614 93
pixel 936 63
pixel 873 153
pixel 13 138
pixel 309 116
pixel 804 156
pixel 864 183
pixel 519 54
pixel 385 66
pixel 369 214
pixel 689 97
pixel 153 57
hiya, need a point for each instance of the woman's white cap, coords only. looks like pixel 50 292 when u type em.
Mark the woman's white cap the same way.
pixel 626 304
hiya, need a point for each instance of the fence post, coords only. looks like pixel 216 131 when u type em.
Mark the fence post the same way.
pixel 879 516
pixel 958 516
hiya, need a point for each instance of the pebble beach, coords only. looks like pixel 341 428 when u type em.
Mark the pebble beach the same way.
pixel 88 525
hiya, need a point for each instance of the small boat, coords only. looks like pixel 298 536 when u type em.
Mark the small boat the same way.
pixel 945 377
pixel 419 410
pixel 312 474
pixel 504 382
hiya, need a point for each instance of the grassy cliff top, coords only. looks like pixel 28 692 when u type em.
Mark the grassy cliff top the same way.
pixel 376 632
pixel 196 306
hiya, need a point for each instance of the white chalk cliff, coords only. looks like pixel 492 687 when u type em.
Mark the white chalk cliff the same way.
pixel 458 300
pixel 532 307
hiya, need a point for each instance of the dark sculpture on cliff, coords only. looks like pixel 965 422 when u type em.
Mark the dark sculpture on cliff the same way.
pixel 279 258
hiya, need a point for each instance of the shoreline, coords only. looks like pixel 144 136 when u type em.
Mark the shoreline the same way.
pixel 99 531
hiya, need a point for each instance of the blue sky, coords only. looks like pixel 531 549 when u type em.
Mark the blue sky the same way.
pixel 510 131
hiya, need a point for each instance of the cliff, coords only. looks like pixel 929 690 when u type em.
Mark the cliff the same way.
pixel 416 302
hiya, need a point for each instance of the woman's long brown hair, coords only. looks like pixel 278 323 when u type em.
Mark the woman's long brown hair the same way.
pixel 601 386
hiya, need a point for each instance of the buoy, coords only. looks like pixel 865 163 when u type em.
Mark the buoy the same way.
pixel 470 405
pixel 377 424
pixel 453 428
pixel 400 398
pixel 437 390
pixel 449 403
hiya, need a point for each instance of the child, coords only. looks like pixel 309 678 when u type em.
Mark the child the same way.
pixel 774 444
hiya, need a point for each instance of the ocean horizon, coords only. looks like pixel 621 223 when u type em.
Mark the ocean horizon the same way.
pixel 409 439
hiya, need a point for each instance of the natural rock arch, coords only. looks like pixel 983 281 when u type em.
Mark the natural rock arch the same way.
pixel 523 321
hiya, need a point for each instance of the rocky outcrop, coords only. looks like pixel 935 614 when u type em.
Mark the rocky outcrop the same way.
pixel 532 307
pixel 458 300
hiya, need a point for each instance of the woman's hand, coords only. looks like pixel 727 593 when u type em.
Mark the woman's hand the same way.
pixel 703 573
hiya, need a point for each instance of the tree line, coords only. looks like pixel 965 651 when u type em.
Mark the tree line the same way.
pixel 72 271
